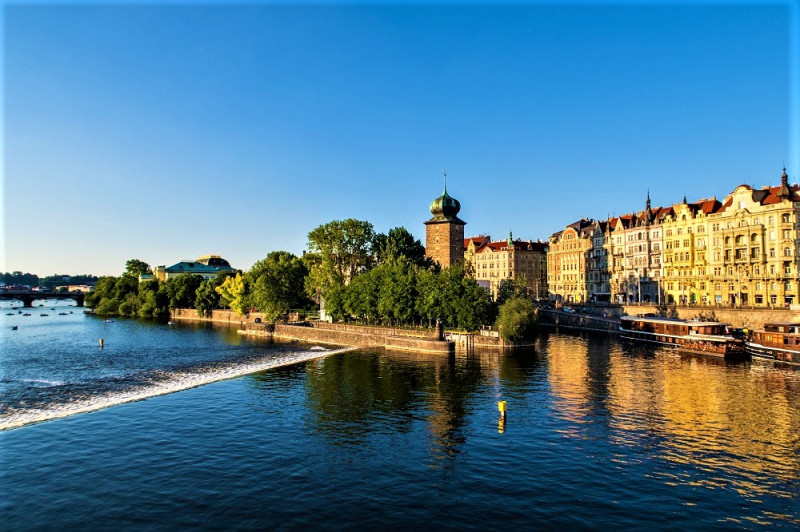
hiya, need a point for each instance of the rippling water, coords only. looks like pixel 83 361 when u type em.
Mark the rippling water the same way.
pixel 596 436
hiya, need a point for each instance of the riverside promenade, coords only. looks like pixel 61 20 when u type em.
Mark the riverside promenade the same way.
pixel 348 334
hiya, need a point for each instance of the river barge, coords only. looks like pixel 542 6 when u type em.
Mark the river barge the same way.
pixel 701 337
pixel 776 341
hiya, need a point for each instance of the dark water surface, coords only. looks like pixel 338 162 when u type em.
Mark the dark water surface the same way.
pixel 596 436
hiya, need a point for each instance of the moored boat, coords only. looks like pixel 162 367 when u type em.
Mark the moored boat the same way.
pixel 776 341
pixel 702 337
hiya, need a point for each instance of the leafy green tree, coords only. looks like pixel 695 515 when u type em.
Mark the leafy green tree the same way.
pixel 125 285
pixel 207 298
pixel 396 244
pixel 103 289
pixel 340 250
pixel 129 306
pixel 511 288
pixel 361 297
pixel 136 267
pixel 517 320
pixel 233 293
pixel 153 300
pixel 277 284
pixel 182 290
pixel 430 296
pixel 397 292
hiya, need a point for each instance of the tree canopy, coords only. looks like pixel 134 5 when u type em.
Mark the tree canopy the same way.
pixel 396 244
pixel 277 284
pixel 340 249
pixel 136 267
pixel 517 320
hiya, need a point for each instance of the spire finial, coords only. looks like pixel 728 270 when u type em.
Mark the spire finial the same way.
pixel 684 199
pixel 510 239
pixel 784 192
pixel 444 173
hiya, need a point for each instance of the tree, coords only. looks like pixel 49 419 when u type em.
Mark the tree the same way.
pixel 396 244
pixel 341 250
pixel 136 267
pixel 277 284
pixel 207 298
pixel 397 292
pixel 517 320
pixel 153 300
pixel 233 293
pixel 182 290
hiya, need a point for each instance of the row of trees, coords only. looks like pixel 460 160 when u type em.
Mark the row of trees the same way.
pixel 359 274
pixel 126 296
pixel 399 292
pixel 51 281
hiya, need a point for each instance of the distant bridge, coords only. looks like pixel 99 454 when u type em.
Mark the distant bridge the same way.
pixel 28 298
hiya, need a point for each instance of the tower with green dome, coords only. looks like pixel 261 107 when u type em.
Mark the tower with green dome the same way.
pixel 444 233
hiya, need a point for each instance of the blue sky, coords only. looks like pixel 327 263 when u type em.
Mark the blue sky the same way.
pixel 166 131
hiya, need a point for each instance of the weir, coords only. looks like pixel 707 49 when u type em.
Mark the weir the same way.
pixel 176 382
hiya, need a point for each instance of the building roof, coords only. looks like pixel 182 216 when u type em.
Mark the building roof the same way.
pixel 204 265
pixel 445 208
pixel 482 244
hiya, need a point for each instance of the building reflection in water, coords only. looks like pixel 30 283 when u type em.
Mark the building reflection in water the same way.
pixel 693 417
pixel 686 410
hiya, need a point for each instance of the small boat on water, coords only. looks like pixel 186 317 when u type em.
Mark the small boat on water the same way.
pixel 26 314
pixel 701 337
pixel 43 314
pixel 10 314
pixel 14 327
pixel 62 313
pixel 776 341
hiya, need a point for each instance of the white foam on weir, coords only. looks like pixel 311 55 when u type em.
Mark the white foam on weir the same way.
pixel 179 381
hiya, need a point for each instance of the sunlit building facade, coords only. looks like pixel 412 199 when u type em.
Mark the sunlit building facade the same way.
pixel 492 262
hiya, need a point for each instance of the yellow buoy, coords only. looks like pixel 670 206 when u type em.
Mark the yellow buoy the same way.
pixel 501 406
pixel 102 342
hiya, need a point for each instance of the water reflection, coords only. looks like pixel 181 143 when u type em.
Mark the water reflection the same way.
pixel 702 423
pixel 725 425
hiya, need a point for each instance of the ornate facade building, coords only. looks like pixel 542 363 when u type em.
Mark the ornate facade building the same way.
pixel 444 233
pixel 686 241
pixel 568 262
pixel 742 251
pixel 754 247
pixel 492 262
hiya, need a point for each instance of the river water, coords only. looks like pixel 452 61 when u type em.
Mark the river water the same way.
pixel 596 435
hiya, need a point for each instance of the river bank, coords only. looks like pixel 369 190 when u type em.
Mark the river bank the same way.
pixel 396 338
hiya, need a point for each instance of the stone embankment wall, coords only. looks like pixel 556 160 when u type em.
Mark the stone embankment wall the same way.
pixel 344 334
pixel 226 317
pixel 393 331
pixel 578 321
pixel 750 318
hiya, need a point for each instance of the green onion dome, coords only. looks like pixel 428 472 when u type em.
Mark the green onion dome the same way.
pixel 445 206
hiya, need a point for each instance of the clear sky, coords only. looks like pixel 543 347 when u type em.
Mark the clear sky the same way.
pixel 166 131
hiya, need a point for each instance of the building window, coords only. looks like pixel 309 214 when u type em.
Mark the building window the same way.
pixel 785 218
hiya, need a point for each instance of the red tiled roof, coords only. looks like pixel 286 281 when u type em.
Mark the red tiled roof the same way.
pixel 519 245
